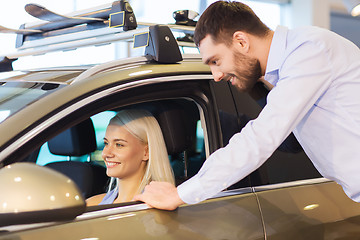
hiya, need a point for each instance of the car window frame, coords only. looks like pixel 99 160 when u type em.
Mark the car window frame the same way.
pixel 193 87
pixel 64 117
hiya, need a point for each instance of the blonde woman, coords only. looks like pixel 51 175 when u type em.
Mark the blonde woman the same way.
pixel 135 154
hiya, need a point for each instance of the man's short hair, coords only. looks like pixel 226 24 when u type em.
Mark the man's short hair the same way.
pixel 222 18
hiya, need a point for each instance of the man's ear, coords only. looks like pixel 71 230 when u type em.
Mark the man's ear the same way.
pixel 241 41
pixel 146 153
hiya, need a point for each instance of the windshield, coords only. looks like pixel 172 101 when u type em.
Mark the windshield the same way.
pixel 17 95
pixel 19 89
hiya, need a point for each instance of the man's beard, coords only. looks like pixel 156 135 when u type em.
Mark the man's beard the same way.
pixel 247 72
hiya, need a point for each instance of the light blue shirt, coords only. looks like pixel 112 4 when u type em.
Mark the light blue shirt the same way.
pixel 110 196
pixel 316 74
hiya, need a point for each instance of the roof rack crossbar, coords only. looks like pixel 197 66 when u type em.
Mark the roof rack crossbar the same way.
pixel 89 38
pixel 54 24
pixel 120 26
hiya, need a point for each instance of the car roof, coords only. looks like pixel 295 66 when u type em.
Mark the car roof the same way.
pixel 88 80
pixel 70 74
pixel 56 76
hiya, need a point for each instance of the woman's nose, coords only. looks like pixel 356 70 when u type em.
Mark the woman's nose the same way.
pixel 107 152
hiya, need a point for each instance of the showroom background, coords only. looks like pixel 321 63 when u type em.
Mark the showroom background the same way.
pixel 329 14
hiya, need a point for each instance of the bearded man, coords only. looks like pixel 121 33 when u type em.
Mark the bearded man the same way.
pixel 315 79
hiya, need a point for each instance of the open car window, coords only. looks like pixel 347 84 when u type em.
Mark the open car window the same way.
pixel 72 154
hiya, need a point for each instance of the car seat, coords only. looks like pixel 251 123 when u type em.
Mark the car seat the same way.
pixel 178 124
pixel 79 140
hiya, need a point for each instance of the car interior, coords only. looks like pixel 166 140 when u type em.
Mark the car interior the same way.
pixel 81 151
pixel 79 140
pixel 76 152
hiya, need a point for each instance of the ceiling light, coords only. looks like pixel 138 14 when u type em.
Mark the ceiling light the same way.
pixel 353 6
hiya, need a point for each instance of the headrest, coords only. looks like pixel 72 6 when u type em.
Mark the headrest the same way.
pixel 178 126
pixel 174 129
pixel 75 141
pixel 80 172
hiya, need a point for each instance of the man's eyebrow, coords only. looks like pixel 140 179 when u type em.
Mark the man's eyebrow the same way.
pixel 209 59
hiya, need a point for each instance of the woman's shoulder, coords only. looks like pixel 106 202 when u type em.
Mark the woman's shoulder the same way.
pixel 95 200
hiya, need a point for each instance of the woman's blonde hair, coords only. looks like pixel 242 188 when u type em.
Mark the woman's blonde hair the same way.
pixel 144 126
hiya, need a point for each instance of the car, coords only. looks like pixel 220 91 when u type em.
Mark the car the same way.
pixel 52 125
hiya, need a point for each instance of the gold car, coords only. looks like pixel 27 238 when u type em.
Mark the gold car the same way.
pixel 52 125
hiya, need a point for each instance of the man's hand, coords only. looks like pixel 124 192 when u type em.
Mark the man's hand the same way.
pixel 161 195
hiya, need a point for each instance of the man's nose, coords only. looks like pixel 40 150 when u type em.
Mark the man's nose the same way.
pixel 217 74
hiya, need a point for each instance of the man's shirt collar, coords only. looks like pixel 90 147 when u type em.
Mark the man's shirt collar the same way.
pixel 277 49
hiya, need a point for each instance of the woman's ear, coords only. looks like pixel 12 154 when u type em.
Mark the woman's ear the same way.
pixel 146 153
pixel 241 41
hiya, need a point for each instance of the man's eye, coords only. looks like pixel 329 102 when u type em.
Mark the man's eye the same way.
pixel 214 62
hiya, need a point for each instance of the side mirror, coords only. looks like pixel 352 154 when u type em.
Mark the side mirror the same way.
pixel 32 194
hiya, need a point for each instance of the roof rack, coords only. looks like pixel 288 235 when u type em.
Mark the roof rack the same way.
pixel 90 38
pixel 116 14
pixel 97 26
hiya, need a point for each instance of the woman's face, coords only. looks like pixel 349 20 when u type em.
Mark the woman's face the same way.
pixel 125 155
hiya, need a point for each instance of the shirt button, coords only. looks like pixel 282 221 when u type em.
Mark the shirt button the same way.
pixel 197 199
pixel 224 184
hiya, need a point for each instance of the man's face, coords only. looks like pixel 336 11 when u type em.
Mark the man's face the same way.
pixel 229 64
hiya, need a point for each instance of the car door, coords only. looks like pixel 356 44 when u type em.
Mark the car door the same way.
pixel 310 209
pixel 295 201
pixel 230 215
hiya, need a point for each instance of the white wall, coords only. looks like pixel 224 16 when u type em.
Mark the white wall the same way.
pixel 306 12
pixel 294 14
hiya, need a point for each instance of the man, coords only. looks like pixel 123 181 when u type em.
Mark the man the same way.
pixel 315 75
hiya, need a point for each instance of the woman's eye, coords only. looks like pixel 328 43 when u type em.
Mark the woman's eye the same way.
pixel 105 143
pixel 119 145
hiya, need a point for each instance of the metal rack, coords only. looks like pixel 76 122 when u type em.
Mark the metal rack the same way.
pixel 90 38
pixel 68 34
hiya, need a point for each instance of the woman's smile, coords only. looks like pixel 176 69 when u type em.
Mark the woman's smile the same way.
pixel 111 164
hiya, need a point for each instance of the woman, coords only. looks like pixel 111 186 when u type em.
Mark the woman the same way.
pixel 135 154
